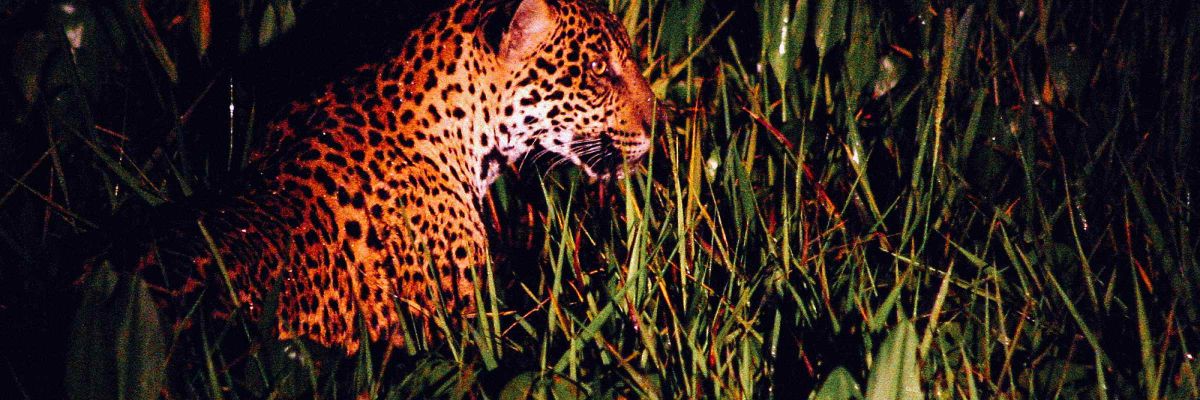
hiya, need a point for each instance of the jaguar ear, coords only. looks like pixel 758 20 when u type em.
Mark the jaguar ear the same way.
pixel 530 27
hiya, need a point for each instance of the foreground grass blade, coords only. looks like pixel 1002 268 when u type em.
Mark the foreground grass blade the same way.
pixel 116 349
pixel 894 374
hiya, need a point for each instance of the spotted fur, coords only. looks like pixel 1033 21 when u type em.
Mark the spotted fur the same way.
pixel 365 202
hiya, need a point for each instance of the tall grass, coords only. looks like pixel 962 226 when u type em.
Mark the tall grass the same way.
pixel 948 200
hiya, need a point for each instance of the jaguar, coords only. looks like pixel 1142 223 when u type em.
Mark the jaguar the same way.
pixel 362 208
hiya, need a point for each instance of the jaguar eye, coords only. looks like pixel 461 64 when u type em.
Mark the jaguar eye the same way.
pixel 598 67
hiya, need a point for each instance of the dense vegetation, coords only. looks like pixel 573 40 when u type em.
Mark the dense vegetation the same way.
pixel 969 200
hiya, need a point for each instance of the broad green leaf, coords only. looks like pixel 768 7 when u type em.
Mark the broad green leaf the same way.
pixel 862 63
pixel 895 374
pixel 563 388
pixel 830 25
pixel 432 378
pixel 839 385
pixel 520 387
pixel 784 26
pixel 116 347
